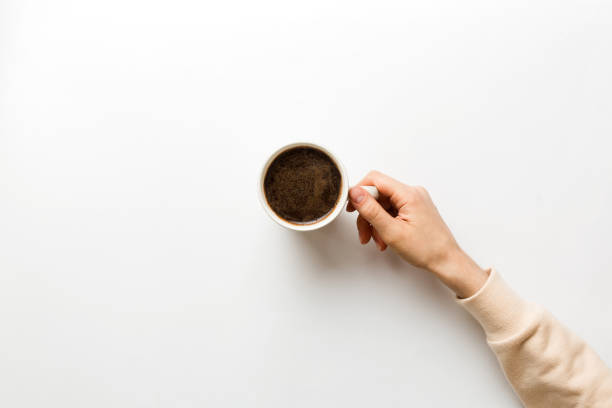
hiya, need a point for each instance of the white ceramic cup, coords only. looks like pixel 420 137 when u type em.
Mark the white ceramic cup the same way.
pixel 340 203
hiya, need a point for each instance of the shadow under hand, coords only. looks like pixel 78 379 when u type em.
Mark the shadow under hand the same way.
pixel 333 263
pixel 333 248
pixel 334 253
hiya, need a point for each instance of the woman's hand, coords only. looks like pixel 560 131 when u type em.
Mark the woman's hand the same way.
pixel 406 219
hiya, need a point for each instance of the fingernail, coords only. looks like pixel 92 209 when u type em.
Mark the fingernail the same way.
pixel 357 195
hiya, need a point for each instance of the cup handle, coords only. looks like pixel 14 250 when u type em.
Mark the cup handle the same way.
pixel 371 190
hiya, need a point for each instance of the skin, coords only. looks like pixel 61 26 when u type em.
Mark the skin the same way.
pixel 406 219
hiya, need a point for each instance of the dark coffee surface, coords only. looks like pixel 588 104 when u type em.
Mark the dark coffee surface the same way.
pixel 302 184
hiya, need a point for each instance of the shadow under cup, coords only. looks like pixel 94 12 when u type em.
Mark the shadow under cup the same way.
pixel 303 186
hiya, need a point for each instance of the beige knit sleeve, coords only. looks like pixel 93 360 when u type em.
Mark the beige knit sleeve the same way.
pixel 547 365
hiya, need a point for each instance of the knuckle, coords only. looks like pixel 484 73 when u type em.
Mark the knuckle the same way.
pixel 377 216
pixel 423 191
pixel 415 194
pixel 373 211
pixel 374 173
pixel 368 209
pixel 411 195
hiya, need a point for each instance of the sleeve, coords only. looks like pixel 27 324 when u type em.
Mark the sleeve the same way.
pixel 547 365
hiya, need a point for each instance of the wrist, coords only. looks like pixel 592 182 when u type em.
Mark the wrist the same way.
pixel 459 272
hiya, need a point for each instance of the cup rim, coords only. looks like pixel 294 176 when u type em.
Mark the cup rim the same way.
pixel 320 223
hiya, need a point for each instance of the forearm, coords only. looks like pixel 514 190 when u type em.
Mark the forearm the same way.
pixel 547 365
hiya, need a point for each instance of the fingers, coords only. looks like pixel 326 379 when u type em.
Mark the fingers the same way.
pixel 383 199
pixel 376 218
pixel 372 212
pixel 387 186
pixel 379 242
pixel 364 229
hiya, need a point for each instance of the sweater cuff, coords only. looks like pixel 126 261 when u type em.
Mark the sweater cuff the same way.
pixel 498 309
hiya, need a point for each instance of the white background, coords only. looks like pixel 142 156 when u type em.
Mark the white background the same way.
pixel 138 270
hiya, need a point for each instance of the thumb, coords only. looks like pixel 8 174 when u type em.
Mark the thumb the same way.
pixel 372 211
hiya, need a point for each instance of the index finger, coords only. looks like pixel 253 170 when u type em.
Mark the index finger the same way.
pixel 387 186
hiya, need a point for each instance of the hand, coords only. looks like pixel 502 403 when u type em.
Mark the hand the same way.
pixel 406 219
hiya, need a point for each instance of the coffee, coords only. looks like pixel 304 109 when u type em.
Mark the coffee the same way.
pixel 302 184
